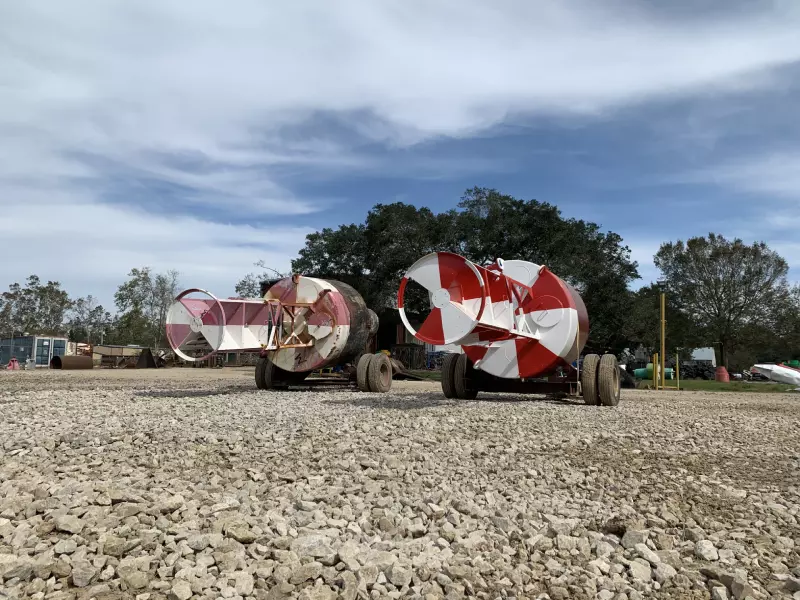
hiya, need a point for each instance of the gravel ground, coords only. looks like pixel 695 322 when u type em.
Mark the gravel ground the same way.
pixel 191 483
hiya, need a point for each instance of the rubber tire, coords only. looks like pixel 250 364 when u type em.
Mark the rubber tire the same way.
pixel 268 376
pixel 379 374
pixel 463 379
pixel 608 380
pixel 448 371
pixel 271 377
pixel 261 366
pixel 591 362
pixel 361 372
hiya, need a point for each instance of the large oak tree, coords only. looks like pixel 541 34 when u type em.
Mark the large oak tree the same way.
pixel 728 289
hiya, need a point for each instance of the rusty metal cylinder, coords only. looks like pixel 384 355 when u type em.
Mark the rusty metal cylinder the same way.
pixel 340 331
pixel 71 363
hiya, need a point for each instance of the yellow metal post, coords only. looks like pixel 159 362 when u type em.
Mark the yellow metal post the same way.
pixel 655 370
pixel 678 371
pixel 663 340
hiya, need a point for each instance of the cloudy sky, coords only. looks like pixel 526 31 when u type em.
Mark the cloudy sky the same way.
pixel 204 136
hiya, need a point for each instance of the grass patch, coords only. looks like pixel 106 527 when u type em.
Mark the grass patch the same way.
pixel 700 385
pixel 429 375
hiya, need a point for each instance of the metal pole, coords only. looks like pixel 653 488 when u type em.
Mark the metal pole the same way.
pixel 678 371
pixel 663 341
pixel 655 370
pixel 578 359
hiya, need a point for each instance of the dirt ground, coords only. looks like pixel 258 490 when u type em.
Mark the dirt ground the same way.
pixel 190 482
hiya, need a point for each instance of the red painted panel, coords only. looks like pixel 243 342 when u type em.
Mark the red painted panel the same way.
pixel 533 359
pixel 432 329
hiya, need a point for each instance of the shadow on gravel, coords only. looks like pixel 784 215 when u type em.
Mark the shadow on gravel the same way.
pixel 434 400
pixel 191 393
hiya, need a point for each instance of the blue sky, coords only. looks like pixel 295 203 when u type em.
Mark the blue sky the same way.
pixel 204 138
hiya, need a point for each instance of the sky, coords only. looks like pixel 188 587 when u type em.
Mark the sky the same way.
pixel 205 136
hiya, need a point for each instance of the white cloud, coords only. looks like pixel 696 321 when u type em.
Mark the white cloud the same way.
pixel 772 182
pixel 212 98
pixel 643 251
pixel 791 252
pixel 771 173
pixel 91 247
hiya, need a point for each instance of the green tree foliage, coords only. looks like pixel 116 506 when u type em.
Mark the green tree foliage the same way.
pixel 597 264
pixel 143 301
pixel 339 254
pixel 130 327
pixel 33 308
pixel 88 321
pixel 790 326
pixel 249 286
pixel 487 224
pixel 728 289
pixel 643 324
pixel 774 339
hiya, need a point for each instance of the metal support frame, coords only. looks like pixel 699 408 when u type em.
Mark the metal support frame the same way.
pixel 331 381
pixel 276 338
pixel 659 379
pixel 561 385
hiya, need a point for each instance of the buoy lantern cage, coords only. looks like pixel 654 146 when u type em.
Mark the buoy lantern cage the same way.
pixel 301 325
pixel 516 323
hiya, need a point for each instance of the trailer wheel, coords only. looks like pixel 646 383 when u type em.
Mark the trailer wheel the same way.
pixel 608 380
pixel 463 379
pixel 589 379
pixel 261 367
pixel 379 374
pixel 268 376
pixel 361 372
pixel 271 377
pixel 448 373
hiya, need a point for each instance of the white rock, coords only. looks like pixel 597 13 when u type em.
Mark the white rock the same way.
pixel 633 537
pixel 67 546
pixel 647 554
pixel 705 549
pixel 69 524
pixel 719 593
pixel 640 571
pixel 604 549
pixel 663 573
pixel 181 590
pixel 82 572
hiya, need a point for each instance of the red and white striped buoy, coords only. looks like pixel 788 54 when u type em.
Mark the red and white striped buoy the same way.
pixel 514 319
pixel 328 326
pixel 302 323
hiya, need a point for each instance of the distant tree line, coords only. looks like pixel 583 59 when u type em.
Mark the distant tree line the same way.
pixel 142 302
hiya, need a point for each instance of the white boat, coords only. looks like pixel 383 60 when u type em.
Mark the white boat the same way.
pixel 779 373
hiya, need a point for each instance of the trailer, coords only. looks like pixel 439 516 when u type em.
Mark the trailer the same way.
pixel 521 329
